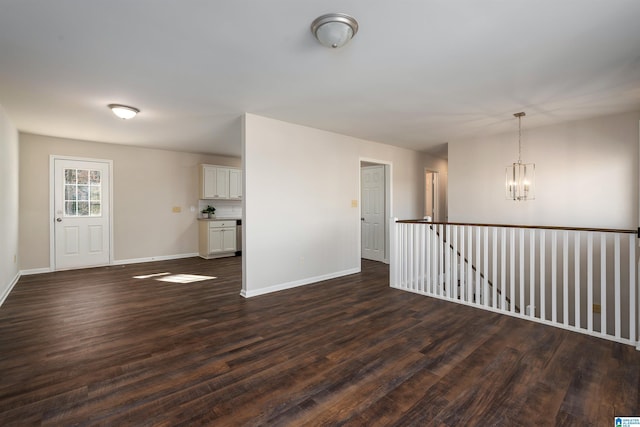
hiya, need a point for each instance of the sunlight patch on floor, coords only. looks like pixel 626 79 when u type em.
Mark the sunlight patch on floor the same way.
pixel 184 278
pixel 175 278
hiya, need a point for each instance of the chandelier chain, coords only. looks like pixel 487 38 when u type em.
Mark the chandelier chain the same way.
pixel 519 139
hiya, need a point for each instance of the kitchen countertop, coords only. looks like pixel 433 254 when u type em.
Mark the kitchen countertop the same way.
pixel 220 219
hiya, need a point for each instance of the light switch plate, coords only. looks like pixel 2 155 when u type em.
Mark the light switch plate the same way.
pixel 177 209
pixel 354 203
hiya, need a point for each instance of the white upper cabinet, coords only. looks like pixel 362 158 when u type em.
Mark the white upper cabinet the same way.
pixel 235 183
pixel 220 182
pixel 207 182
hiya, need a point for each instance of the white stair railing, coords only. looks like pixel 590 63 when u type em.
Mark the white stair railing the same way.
pixel 584 280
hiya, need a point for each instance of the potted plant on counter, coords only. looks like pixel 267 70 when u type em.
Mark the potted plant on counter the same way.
pixel 209 212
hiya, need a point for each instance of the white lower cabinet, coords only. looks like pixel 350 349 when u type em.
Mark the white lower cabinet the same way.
pixel 217 238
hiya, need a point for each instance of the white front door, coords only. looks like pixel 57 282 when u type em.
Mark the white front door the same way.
pixel 81 213
pixel 372 182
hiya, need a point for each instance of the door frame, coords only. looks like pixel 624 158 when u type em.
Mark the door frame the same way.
pixel 52 210
pixel 436 197
pixel 388 203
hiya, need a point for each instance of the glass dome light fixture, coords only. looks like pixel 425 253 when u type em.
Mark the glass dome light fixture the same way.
pixel 334 29
pixel 123 111
pixel 520 182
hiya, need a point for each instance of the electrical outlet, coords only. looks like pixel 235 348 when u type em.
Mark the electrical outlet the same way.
pixel 597 308
pixel 177 209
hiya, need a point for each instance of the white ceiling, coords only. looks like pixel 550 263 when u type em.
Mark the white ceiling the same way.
pixel 418 74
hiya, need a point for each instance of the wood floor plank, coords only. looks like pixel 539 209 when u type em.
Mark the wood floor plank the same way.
pixel 106 347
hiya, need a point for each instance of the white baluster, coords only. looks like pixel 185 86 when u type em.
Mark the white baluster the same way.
pixel 454 268
pixel 485 282
pixel 428 258
pixel 543 275
pixel 463 255
pixel 417 254
pixel 479 260
pixel 590 281
pixel 554 276
pixel 410 257
pixel 447 263
pixel 521 274
pixel 512 271
pixel 503 269
pixel 494 299
pixel 565 278
pixel 576 264
pixel 440 259
pixel 617 306
pixel 532 272
pixel 632 288
pixel 435 267
pixel 423 255
pixel 603 283
pixel 469 265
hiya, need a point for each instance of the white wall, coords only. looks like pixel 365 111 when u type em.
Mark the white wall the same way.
pixel 9 205
pixel 586 175
pixel 147 184
pixel 299 224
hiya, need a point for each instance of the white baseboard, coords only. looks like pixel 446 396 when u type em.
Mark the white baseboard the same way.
pixel 153 258
pixel 116 262
pixel 297 283
pixel 7 291
pixel 35 271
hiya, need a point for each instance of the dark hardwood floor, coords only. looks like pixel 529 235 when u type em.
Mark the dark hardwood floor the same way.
pixel 100 347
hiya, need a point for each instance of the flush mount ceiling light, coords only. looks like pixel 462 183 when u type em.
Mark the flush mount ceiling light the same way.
pixel 520 181
pixel 123 111
pixel 334 29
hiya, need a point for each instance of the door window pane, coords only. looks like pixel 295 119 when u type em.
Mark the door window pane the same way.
pixel 83 208
pixel 95 193
pixel 70 176
pixel 70 192
pixel 82 192
pixel 83 176
pixel 70 209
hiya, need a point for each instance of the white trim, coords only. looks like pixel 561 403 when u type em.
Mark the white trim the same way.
pixel 153 258
pixel 297 283
pixel 436 197
pixel 52 249
pixel 116 262
pixel 7 291
pixel 35 271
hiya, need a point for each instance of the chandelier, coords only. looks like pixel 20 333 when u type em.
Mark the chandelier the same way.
pixel 520 182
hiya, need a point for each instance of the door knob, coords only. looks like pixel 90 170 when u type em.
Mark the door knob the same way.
pixel 361 219
pixel 58 219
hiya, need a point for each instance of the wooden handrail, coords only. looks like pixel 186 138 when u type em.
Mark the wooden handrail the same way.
pixel 540 227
